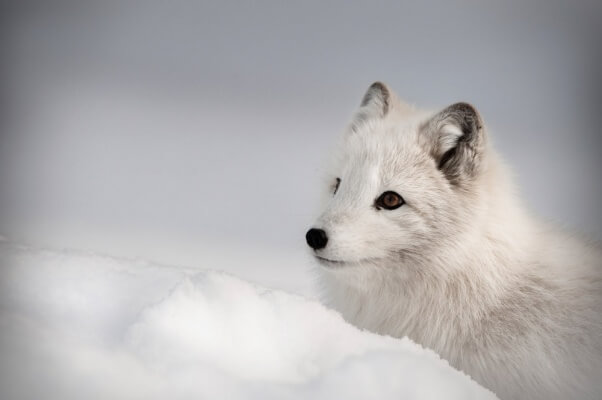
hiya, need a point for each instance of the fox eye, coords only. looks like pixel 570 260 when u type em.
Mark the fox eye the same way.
pixel 336 186
pixel 389 201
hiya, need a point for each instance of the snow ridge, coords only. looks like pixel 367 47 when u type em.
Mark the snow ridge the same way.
pixel 76 325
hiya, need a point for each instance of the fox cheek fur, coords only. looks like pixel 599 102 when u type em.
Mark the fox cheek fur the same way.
pixel 455 262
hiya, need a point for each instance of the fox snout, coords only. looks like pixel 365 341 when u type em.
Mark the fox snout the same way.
pixel 316 238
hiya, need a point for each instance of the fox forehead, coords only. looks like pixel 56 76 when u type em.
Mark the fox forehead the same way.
pixel 384 154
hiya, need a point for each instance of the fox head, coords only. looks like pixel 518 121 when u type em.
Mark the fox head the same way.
pixel 405 184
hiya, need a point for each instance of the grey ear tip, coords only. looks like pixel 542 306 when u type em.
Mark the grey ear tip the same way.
pixel 467 110
pixel 376 90
pixel 380 88
pixel 378 85
pixel 464 106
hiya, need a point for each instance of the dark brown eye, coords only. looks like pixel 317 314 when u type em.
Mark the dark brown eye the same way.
pixel 336 186
pixel 389 201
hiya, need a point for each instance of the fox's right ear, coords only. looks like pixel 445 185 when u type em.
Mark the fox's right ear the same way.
pixel 375 104
pixel 376 100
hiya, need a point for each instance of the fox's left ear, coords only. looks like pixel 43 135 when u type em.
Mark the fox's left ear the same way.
pixel 456 140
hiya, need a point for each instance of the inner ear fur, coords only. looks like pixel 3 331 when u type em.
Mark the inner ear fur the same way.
pixel 456 140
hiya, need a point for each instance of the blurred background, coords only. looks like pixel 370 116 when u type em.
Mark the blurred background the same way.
pixel 197 133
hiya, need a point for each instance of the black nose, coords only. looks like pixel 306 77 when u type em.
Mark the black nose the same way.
pixel 316 238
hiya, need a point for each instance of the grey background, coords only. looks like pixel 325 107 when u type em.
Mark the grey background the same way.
pixel 211 122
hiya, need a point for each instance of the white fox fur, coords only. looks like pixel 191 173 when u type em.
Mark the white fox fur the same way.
pixel 460 268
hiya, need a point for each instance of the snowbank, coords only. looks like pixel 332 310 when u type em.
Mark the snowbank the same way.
pixel 75 325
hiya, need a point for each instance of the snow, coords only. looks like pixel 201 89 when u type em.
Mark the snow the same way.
pixel 80 325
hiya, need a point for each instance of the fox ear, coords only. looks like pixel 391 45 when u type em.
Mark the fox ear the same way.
pixel 457 141
pixel 376 100
pixel 375 105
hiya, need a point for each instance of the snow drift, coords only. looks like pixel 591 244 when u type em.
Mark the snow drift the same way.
pixel 77 325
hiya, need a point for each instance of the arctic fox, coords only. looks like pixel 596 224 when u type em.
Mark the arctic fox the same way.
pixel 423 236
